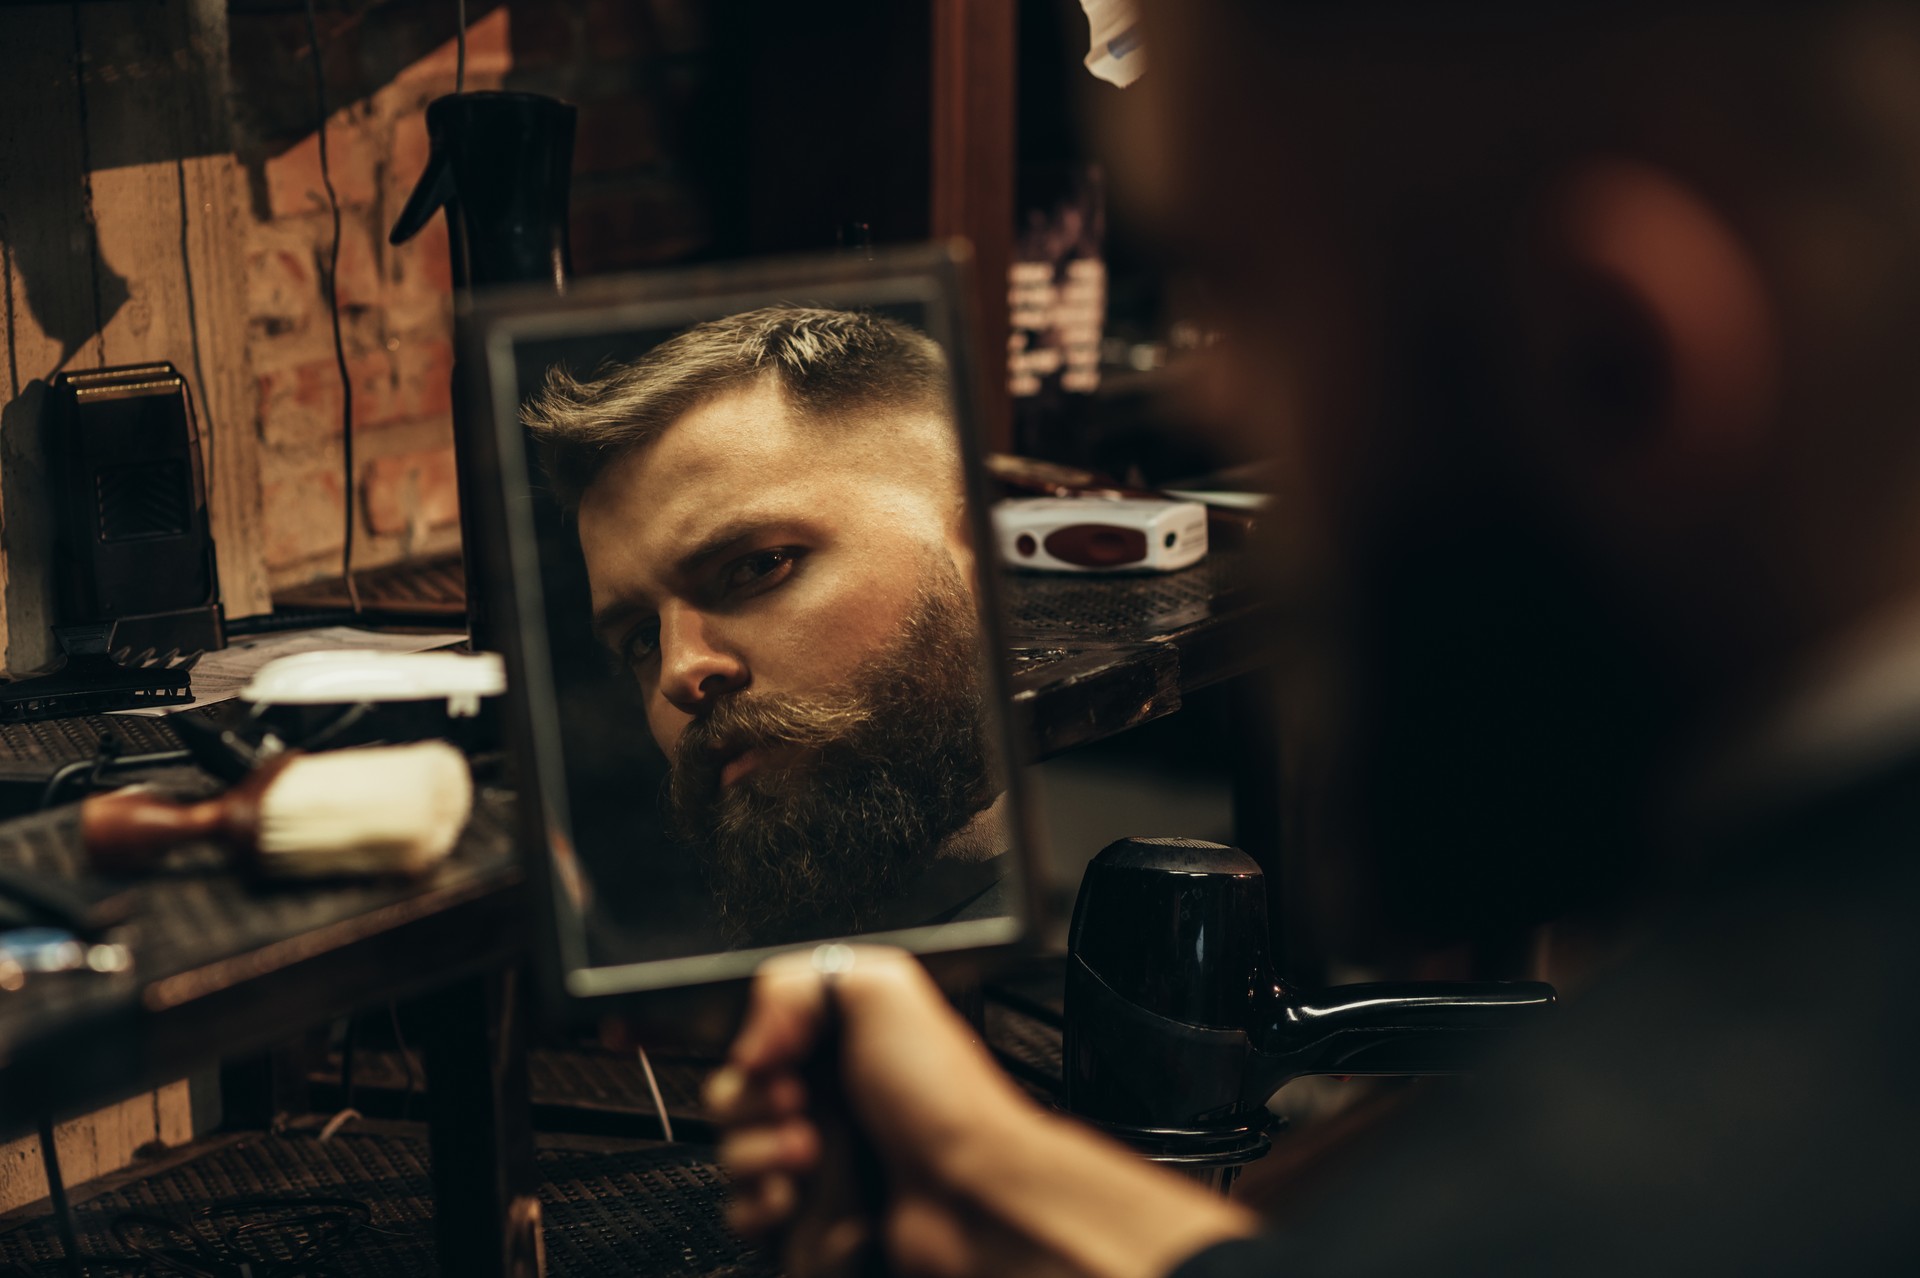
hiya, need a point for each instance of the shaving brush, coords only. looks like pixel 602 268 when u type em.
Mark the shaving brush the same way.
pixel 378 810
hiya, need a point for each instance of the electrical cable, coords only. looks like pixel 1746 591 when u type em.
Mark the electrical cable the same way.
pixel 659 1102
pixel 71 1264
pixel 57 1193
pixel 210 437
pixel 460 51
pixel 346 1113
pixel 333 306
pixel 97 767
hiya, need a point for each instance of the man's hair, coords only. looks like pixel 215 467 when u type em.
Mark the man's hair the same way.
pixel 831 365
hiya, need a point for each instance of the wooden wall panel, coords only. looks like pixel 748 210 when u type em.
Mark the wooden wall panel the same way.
pixel 96 1144
pixel 120 228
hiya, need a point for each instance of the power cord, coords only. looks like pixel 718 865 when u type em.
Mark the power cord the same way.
pixel 659 1102
pixel 460 51
pixel 107 758
pixel 346 1113
pixel 333 305
pixel 57 1194
pixel 211 434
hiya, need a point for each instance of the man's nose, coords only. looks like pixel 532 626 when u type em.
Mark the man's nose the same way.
pixel 694 667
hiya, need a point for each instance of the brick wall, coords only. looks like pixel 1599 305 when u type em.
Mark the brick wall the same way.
pixel 647 160
pixel 708 129
pixel 394 302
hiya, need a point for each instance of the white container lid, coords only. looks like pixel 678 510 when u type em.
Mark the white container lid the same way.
pixel 355 675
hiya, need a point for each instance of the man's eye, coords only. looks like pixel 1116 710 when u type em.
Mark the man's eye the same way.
pixel 761 568
pixel 641 643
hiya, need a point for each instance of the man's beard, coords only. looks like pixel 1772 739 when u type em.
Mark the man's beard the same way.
pixel 894 762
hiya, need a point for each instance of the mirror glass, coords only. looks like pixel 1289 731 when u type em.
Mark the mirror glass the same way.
pixel 753 604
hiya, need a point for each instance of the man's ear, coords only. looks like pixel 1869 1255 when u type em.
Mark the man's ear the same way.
pixel 1650 332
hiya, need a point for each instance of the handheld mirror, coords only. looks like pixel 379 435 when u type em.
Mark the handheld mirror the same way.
pixel 737 553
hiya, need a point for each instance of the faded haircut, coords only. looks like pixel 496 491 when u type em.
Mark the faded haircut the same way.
pixel 832 366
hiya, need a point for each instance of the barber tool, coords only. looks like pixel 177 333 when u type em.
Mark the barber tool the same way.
pixel 1093 534
pixel 135 544
pixel 137 589
pixel 1178 1031
pixel 1230 517
pixel 501 164
pixel 380 810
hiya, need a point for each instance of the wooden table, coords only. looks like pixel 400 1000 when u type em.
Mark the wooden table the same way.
pixel 1093 656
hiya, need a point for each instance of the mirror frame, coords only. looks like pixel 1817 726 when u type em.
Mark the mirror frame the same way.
pixel 509 569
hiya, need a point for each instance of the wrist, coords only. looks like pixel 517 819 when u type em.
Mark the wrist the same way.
pixel 1084 1200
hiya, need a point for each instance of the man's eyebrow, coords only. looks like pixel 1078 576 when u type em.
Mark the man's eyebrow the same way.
pixel 729 536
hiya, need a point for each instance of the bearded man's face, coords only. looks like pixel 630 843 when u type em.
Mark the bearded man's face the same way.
pixel 793 599
pixel 859 785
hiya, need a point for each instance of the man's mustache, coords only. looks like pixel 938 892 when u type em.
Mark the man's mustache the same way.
pixel 748 721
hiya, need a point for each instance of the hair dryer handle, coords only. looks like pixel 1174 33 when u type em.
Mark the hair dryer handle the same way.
pixel 1425 1027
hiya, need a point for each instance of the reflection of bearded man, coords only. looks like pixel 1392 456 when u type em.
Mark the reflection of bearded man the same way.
pixel 894 763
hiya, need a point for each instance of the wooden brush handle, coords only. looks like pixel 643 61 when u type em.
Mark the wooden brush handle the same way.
pixel 127 832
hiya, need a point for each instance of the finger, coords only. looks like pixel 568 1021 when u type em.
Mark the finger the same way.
pixel 734 1097
pixel 789 1147
pixel 784 1015
pixel 789 998
pixel 762 1205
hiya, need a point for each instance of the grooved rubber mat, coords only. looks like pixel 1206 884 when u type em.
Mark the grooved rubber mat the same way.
pixel 58 741
pixel 653 1210
pixel 1027 1047
pixel 1044 609
pixel 1025 1016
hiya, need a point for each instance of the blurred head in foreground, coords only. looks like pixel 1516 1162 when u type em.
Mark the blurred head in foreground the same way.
pixel 772 514
pixel 1586 329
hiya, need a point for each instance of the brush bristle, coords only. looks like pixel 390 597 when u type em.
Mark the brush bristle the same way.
pixel 376 810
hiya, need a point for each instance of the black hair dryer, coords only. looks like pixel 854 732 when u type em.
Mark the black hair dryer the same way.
pixel 1178 1031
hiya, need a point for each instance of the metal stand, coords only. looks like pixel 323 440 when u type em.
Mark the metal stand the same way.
pixel 473 1039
